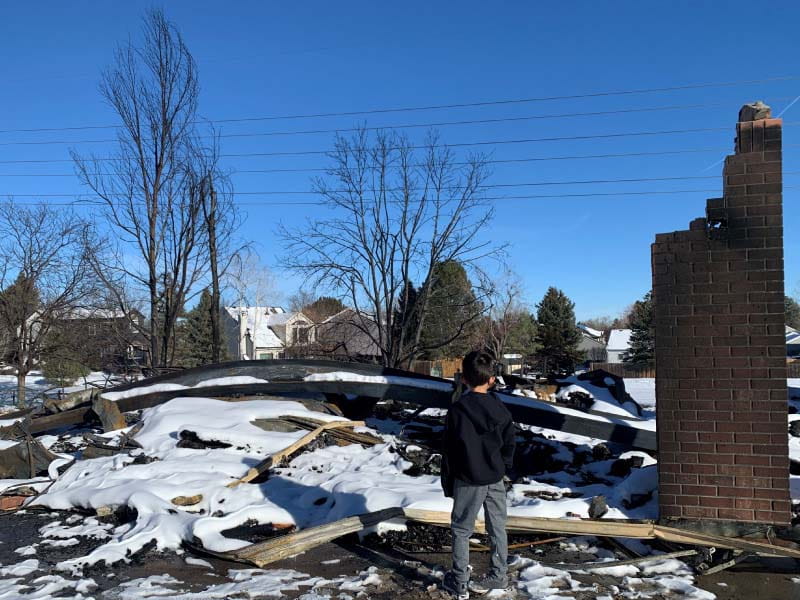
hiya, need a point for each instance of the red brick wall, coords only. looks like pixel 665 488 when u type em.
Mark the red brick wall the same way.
pixel 720 347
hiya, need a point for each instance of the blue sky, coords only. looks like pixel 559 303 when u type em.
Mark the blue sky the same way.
pixel 272 59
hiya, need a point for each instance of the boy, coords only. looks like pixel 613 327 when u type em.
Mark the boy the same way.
pixel 478 448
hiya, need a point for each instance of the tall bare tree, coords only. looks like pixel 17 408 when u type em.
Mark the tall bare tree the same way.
pixel 45 276
pixel 213 191
pixel 398 212
pixel 144 185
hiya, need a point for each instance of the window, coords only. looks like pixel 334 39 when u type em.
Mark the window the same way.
pixel 265 356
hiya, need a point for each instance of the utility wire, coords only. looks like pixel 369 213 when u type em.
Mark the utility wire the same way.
pixel 487 186
pixel 461 163
pixel 94 202
pixel 403 125
pixel 456 145
pixel 501 102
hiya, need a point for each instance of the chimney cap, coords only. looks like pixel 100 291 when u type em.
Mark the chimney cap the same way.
pixel 754 111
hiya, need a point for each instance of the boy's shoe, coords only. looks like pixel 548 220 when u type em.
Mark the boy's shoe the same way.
pixel 488 583
pixel 454 588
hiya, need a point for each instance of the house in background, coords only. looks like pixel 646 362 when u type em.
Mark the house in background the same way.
pixel 347 335
pixel 792 342
pixel 111 339
pixel 619 343
pixel 592 344
pixel 269 332
pixel 264 332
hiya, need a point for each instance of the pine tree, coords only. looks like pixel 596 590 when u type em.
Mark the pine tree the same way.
pixel 642 346
pixel 522 337
pixel 557 335
pixel 322 308
pixel 405 318
pixel 451 322
pixel 792 309
pixel 197 336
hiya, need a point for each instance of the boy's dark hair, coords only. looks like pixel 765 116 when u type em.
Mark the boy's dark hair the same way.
pixel 477 368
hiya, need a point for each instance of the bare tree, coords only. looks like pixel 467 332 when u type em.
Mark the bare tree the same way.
pixel 213 192
pixel 144 185
pixel 399 212
pixel 506 316
pixel 45 276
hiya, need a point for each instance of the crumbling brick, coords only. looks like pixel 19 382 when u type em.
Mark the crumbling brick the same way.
pixel 720 347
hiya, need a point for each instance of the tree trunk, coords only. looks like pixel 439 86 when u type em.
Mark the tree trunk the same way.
pixel 20 388
pixel 211 221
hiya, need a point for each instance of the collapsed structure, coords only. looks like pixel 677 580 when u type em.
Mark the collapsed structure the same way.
pixel 720 345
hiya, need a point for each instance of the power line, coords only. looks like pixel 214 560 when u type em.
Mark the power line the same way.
pixel 508 101
pixel 489 161
pixel 456 145
pixel 487 198
pixel 404 125
pixel 487 186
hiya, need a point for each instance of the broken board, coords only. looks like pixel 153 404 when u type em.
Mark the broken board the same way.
pixel 267 463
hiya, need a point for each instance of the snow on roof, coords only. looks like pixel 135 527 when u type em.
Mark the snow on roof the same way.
pixel 259 321
pixel 94 313
pixel 590 331
pixel 619 339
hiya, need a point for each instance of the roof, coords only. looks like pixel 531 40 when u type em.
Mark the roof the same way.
pixel 619 339
pixel 792 335
pixel 259 321
pixel 588 330
pixel 94 313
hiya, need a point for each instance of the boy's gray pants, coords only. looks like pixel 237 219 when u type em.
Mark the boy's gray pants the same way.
pixel 467 501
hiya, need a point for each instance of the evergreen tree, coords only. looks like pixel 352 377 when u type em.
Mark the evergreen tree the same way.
pixel 197 337
pixel 322 308
pixel 405 319
pixel 557 335
pixel 792 309
pixel 452 320
pixel 522 335
pixel 642 348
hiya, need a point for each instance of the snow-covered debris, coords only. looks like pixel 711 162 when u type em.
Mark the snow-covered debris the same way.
pixel 418 382
pixel 602 398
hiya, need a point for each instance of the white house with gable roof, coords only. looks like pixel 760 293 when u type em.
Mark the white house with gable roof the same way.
pixel 264 332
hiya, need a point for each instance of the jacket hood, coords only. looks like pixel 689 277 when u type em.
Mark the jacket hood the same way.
pixel 485 412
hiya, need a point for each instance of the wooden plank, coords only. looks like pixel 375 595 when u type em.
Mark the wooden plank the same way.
pixel 642 530
pixel 606 528
pixel 285 546
pixel 109 414
pixel 276 458
pixel 59 420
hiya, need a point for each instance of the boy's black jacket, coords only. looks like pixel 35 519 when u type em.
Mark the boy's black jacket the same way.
pixel 479 439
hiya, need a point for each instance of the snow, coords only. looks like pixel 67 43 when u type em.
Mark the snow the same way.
pixel 619 339
pixel 237 380
pixel 596 333
pixel 26 567
pixel 248 583
pixel 604 400
pixel 34 384
pixel 426 384
pixel 141 391
pixel 198 562
pixel 643 390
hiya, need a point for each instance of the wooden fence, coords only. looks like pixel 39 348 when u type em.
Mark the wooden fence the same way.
pixel 622 370
pixel 446 368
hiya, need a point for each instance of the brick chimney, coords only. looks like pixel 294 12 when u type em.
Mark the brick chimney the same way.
pixel 720 346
